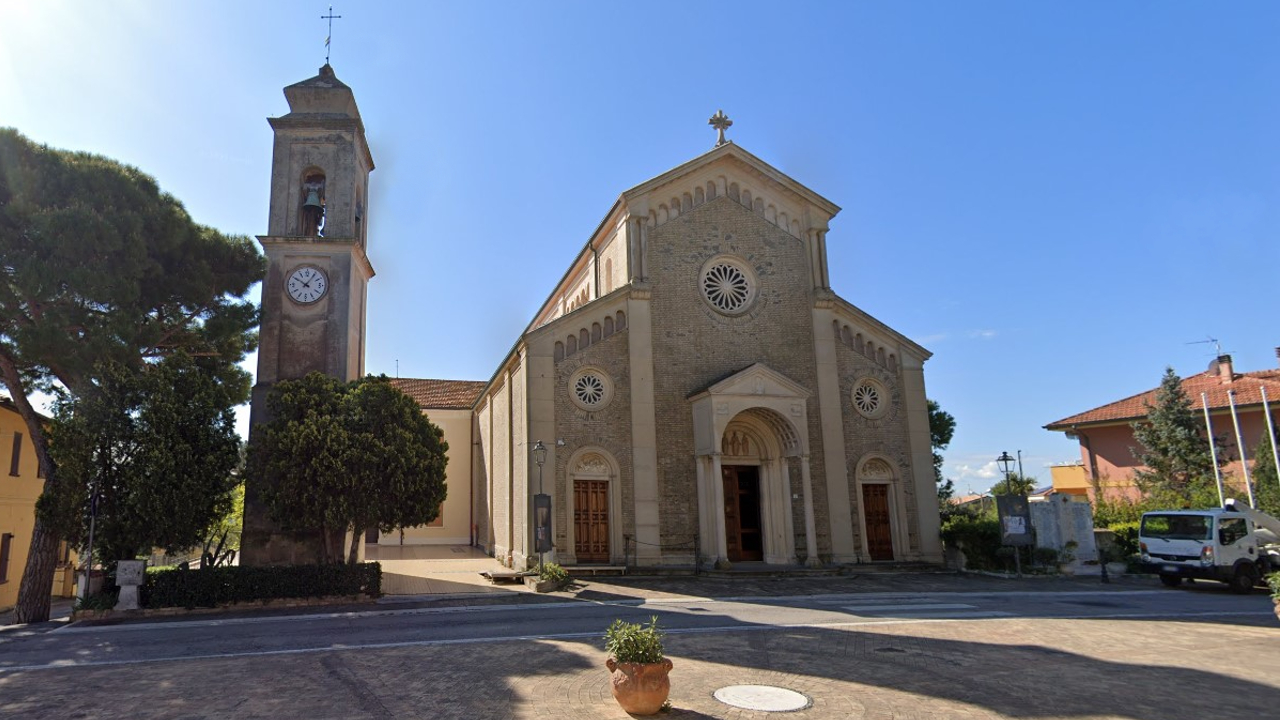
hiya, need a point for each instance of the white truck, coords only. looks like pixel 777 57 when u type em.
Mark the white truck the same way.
pixel 1234 544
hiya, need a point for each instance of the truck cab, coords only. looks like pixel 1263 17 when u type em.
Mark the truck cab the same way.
pixel 1224 544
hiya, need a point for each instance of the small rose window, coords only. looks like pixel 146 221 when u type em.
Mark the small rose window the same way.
pixel 590 389
pixel 870 398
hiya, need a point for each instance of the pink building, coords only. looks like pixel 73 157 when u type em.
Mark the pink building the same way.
pixel 1106 434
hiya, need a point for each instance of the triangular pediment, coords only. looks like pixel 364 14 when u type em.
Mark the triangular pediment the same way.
pixel 758 380
pixel 729 171
pixel 733 157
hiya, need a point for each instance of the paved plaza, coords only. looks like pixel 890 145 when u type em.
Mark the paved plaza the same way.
pixel 1218 659
pixel 1147 670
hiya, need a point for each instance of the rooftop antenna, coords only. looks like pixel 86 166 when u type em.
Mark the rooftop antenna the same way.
pixel 397 368
pixel 330 17
pixel 1217 346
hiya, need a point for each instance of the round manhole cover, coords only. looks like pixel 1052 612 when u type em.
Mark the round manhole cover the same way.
pixel 764 698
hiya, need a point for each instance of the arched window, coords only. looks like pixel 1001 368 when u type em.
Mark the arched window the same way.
pixel 311 204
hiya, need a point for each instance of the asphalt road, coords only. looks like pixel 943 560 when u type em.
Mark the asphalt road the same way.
pixel 213 638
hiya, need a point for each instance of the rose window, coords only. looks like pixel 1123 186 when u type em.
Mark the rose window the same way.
pixel 590 389
pixel 869 398
pixel 727 287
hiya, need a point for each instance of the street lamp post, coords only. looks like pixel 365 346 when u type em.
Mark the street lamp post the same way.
pixel 539 457
pixel 1005 461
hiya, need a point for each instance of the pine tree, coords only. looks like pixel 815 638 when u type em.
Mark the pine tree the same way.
pixel 1266 486
pixel 1174 450
pixel 100 265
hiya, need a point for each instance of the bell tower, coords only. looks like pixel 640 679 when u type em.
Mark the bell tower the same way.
pixel 313 298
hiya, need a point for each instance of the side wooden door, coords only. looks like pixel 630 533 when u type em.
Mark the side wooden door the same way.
pixel 591 521
pixel 875 509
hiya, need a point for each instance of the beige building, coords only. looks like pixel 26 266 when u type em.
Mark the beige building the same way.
pixel 701 392
pixel 701 389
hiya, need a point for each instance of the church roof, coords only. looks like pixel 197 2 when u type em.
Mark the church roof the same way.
pixel 1247 386
pixel 322 96
pixel 730 149
pixel 326 79
pixel 441 394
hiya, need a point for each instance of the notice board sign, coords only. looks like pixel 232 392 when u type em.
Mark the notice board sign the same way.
pixel 1015 520
pixel 542 523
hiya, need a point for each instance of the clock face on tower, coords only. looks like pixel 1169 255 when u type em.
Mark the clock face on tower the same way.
pixel 307 284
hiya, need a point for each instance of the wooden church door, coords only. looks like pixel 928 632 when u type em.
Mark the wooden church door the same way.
pixel 591 521
pixel 875 509
pixel 744 538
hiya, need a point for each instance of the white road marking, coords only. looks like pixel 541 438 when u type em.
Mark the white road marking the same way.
pixel 62 664
pixel 858 609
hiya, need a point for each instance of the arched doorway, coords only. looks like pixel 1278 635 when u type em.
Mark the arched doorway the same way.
pixel 751 444
pixel 740 475
pixel 593 507
pixel 877 498
pixel 755 481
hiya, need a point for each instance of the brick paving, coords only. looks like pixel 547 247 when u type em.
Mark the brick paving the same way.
pixel 1043 669
pixel 1006 668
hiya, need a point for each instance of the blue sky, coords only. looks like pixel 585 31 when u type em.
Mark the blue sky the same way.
pixel 1055 198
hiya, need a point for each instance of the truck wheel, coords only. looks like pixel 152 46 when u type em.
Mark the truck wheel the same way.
pixel 1170 580
pixel 1242 582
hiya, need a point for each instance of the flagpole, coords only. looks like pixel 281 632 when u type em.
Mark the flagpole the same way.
pixel 1244 459
pixel 1271 431
pixel 1213 449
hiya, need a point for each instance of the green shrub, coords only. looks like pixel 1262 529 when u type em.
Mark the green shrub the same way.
pixel 97 601
pixel 1109 512
pixel 633 642
pixel 978 538
pixel 1045 556
pixel 1273 582
pixel 214 586
pixel 553 572
pixel 1126 542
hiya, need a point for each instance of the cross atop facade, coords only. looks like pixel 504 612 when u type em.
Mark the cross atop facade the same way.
pixel 720 122
pixel 330 17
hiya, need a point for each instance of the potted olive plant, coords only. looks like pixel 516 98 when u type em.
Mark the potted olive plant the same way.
pixel 639 671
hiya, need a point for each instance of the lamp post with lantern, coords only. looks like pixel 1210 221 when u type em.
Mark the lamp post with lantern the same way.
pixel 541 505
pixel 1006 462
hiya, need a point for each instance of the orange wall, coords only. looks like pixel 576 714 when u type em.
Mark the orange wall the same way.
pixel 1108 457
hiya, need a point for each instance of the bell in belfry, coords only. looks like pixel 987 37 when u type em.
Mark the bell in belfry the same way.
pixel 313 207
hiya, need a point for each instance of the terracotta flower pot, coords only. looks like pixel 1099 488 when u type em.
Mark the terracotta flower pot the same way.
pixel 1276 600
pixel 640 688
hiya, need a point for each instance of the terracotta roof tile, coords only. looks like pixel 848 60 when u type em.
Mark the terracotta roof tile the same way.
pixel 1248 388
pixel 441 394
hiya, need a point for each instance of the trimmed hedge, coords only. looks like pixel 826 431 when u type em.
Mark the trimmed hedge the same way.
pixel 214 586
pixel 1126 534
pixel 978 538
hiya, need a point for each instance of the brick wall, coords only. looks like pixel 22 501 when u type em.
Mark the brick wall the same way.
pixel 694 346
pixel 608 428
pixel 886 435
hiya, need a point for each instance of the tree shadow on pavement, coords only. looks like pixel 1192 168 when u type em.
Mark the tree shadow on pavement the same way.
pixel 1026 680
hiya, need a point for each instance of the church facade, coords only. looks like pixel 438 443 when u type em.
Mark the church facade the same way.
pixel 704 396
pixel 692 391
